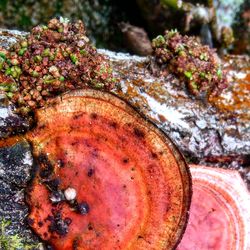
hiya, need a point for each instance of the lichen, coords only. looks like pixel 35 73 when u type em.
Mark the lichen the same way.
pixel 13 242
pixel 51 60
pixel 195 64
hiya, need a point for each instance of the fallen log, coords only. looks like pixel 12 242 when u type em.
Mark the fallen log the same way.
pixel 216 193
pixel 215 131
pixel 131 186
pixel 201 129
pixel 16 164
pixel 219 217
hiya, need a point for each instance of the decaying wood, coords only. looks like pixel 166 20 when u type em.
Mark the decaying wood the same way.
pixel 16 163
pixel 200 129
pixel 206 132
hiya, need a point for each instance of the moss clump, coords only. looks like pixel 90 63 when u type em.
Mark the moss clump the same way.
pixel 51 60
pixel 196 65
pixel 13 242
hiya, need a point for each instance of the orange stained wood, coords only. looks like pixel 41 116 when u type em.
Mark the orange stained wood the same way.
pixel 132 185
pixel 219 214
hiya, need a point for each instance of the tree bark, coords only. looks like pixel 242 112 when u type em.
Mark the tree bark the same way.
pixel 202 130
pixel 216 132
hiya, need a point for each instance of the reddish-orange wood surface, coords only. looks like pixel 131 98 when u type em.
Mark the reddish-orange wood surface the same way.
pixel 132 186
pixel 219 214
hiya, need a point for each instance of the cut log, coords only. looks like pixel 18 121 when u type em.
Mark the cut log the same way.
pixel 219 214
pixel 130 186
pixel 201 129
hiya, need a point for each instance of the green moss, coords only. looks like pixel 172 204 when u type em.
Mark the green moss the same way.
pixel 13 242
pixel 188 74
pixel 35 73
pixel 193 62
pixel 74 58
pixel 50 82
pixel 15 71
pixel 61 78
pixel 2 55
pixel 22 51
pixel 46 52
pixel 38 58
pixel 83 52
pixel 170 3
pixel 158 41
pixel 219 73
pixel 194 85
pixel 99 85
pixel 172 33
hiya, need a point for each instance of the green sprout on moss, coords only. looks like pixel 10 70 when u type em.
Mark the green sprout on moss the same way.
pixel 2 55
pixel 61 78
pixel 22 51
pixel 13 242
pixel 171 3
pixel 38 58
pixel 64 20
pixel 158 41
pixel 24 44
pixel 8 86
pixel 203 57
pixel 219 73
pixel 46 52
pixel 172 33
pixel 179 48
pixel 99 85
pixel 104 70
pixel 194 85
pixel 74 58
pixel 83 52
pixel 203 75
pixel 188 74
pixel 35 73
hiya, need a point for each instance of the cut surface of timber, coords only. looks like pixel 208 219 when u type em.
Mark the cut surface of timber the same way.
pixel 219 214
pixel 107 178
pixel 194 125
